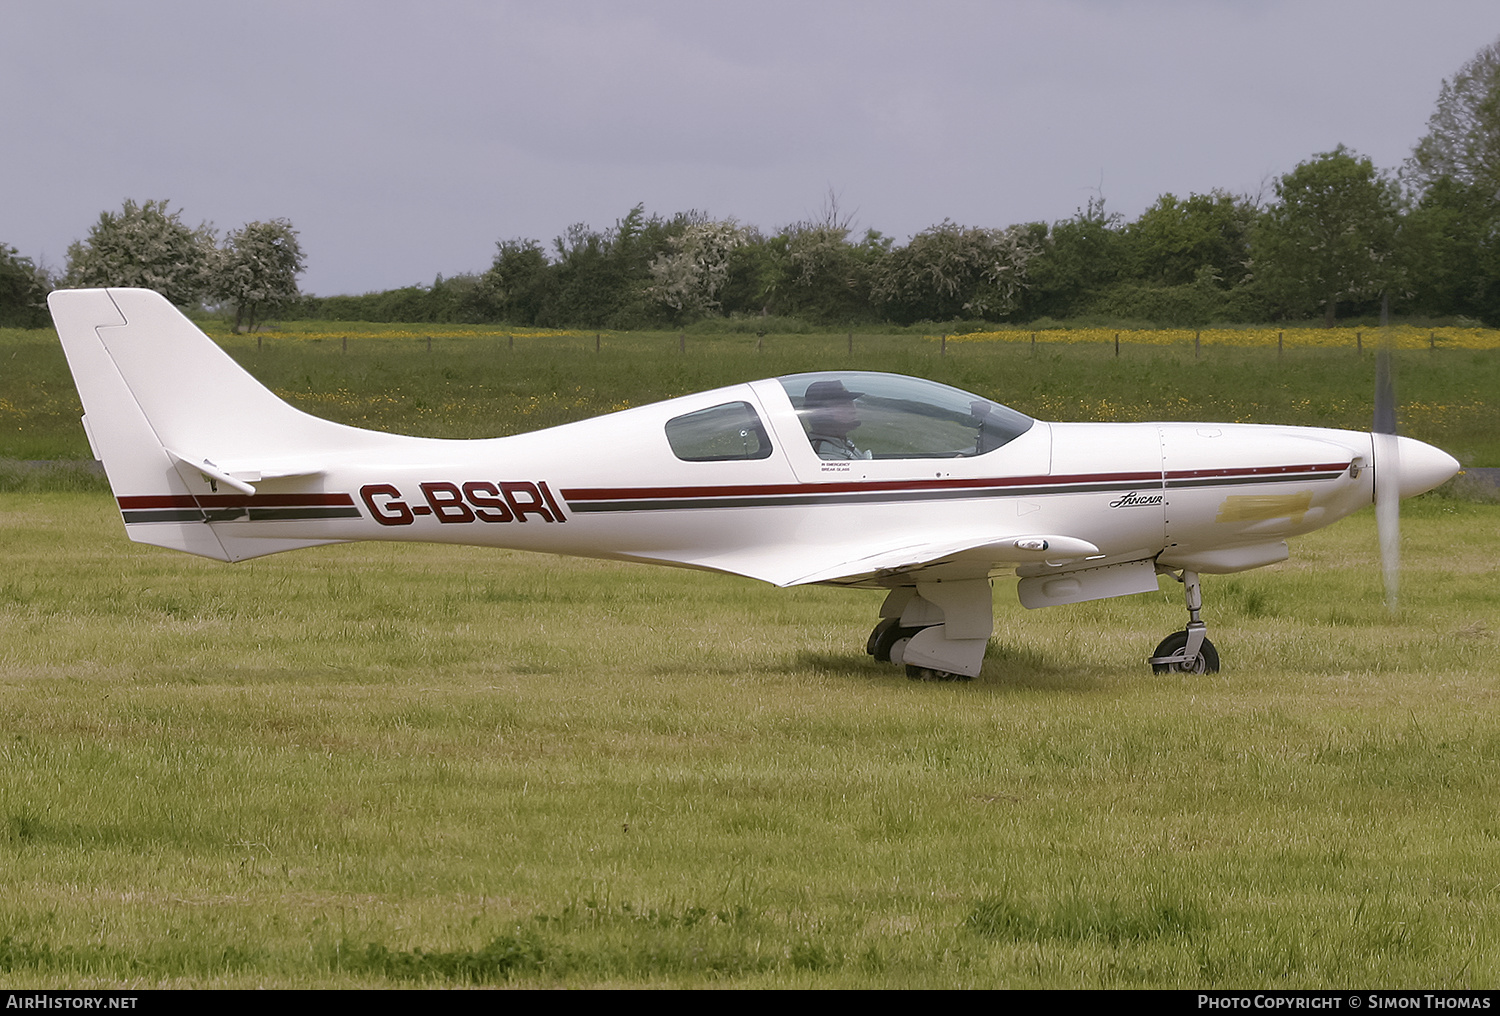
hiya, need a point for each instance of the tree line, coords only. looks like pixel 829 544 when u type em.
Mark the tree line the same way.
pixel 1335 236
pixel 252 272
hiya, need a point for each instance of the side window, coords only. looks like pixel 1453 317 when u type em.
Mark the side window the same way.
pixel 719 434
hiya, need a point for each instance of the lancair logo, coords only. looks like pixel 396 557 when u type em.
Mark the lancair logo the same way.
pixel 1134 500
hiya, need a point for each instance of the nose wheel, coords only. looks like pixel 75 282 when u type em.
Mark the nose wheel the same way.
pixel 1188 651
pixel 1174 656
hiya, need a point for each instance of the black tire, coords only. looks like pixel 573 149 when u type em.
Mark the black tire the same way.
pixel 1206 663
pixel 916 673
pixel 885 625
pixel 882 641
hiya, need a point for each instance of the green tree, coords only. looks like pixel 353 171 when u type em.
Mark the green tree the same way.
pixel 1450 240
pixel 603 278
pixel 588 286
pixel 460 298
pixel 148 246
pixel 948 271
pixel 257 269
pixel 23 291
pixel 1183 263
pixel 1462 142
pixel 1175 239
pixel 820 276
pixel 1076 261
pixel 516 286
pixel 751 275
pixel 1450 244
pixel 1186 305
pixel 690 275
pixel 1330 235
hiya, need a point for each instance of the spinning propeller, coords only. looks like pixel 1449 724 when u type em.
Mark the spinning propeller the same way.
pixel 1387 449
pixel 1403 467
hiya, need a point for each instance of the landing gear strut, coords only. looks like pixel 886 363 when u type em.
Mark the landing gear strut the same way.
pixel 1187 651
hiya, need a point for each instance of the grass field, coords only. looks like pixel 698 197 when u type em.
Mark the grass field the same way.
pixel 385 764
pixel 487 382
pixel 381 765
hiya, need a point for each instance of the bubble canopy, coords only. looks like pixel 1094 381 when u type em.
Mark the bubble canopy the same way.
pixel 862 414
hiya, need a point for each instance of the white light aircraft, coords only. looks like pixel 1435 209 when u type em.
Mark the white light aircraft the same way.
pixel 866 480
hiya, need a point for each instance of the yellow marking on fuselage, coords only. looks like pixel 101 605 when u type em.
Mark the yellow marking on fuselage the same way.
pixel 1264 507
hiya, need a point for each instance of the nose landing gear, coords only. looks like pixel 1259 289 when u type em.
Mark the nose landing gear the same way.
pixel 1188 651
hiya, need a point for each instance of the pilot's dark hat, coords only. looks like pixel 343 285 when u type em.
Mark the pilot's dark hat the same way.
pixel 821 394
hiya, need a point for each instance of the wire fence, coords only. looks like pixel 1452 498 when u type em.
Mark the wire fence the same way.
pixel 1353 339
pixel 1357 339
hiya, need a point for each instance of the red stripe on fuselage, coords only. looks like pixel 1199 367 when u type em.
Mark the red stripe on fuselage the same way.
pixel 233 500
pixel 761 490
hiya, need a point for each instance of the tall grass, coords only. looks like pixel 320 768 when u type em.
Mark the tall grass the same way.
pixel 486 382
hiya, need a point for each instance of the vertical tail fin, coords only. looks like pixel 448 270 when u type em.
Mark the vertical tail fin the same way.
pixel 175 419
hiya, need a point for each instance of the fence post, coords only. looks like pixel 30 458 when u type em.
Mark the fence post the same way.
pixel 1033 343
pixel 1359 343
pixel 1117 345
pixel 943 349
pixel 512 337
pixel 346 344
pixel 1197 343
pixel 429 343
pixel 596 342
pixel 257 342
pixel 1278 346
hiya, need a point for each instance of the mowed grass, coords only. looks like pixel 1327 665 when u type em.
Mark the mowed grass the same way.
pixel 384 765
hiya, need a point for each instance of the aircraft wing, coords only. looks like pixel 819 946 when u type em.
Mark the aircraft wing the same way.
pixel 975 557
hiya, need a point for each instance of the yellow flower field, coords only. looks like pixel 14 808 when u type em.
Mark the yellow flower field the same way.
pixel 330 330
pixel 1405 336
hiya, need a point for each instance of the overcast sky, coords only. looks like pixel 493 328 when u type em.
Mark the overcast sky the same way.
pixel 404 139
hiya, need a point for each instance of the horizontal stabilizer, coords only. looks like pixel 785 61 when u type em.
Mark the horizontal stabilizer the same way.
pixel 212 473
pixel 240 477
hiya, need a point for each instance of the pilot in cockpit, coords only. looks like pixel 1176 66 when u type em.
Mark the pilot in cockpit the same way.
pixel 829 417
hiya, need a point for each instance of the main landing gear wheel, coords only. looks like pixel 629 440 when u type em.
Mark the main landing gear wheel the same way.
pixel 936 631
pixel 1206 662
pixel 915 673
pixel 885 636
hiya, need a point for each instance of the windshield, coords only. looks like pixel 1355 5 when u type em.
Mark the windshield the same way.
pixel 864 415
